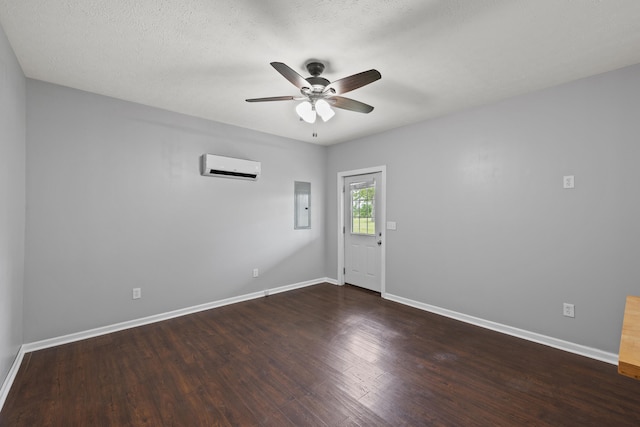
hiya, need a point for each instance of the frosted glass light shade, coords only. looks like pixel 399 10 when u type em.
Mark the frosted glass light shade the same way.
pixel 306 112
pixel 324 110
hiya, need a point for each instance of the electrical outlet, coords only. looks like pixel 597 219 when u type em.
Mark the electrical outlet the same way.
pixel 137 293
pixel 568 310
pixel 255 272
pixel 568 181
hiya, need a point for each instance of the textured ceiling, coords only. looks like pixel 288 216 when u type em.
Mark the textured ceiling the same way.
pixel 204 57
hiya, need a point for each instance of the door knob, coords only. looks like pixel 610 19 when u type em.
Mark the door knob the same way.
pixel 379 242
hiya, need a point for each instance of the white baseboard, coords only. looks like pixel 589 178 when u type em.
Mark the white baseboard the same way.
pixel 11 376
pixel 520 333
pixel 582 350
pixel 78 336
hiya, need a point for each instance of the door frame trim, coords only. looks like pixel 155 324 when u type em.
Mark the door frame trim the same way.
pixel 383 221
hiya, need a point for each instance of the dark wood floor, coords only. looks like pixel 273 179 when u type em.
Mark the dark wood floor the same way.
pixel 323 355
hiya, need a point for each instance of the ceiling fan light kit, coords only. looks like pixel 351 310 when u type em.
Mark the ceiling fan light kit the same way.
pixel 324 110
pixel 318 95
pixel 306 112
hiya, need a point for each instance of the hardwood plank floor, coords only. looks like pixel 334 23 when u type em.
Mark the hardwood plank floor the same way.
pixel 319 356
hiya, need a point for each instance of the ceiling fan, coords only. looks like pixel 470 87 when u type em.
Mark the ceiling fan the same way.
pixel 318 95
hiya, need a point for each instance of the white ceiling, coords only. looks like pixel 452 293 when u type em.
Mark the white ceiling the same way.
pixel 205 57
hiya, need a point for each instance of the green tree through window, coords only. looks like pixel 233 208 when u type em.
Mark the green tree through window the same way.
pixel 363 208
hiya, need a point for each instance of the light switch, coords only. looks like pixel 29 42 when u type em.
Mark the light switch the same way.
pixel 568 181
pixel 391 225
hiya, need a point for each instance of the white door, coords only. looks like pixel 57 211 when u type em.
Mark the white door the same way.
pixel 363 231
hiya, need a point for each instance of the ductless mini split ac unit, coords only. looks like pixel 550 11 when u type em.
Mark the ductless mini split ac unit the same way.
pixel 229 167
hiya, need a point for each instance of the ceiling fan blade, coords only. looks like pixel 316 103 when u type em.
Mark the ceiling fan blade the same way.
pixel 350 104
pixel 272 98
pixel 289 74
pixel 354 82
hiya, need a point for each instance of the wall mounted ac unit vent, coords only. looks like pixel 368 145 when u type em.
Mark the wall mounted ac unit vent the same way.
pixel 229 167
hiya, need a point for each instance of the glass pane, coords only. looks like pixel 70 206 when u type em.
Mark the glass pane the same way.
pixel 363 208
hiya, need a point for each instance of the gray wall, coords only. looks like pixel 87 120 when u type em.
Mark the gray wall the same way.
pixel 484 226
pixel 12 204
pixel 115 201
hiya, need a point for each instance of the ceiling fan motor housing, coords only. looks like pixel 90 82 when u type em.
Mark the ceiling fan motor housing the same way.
pixel 317 83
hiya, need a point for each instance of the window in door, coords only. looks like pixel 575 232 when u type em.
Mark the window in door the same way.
pixel 363 209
